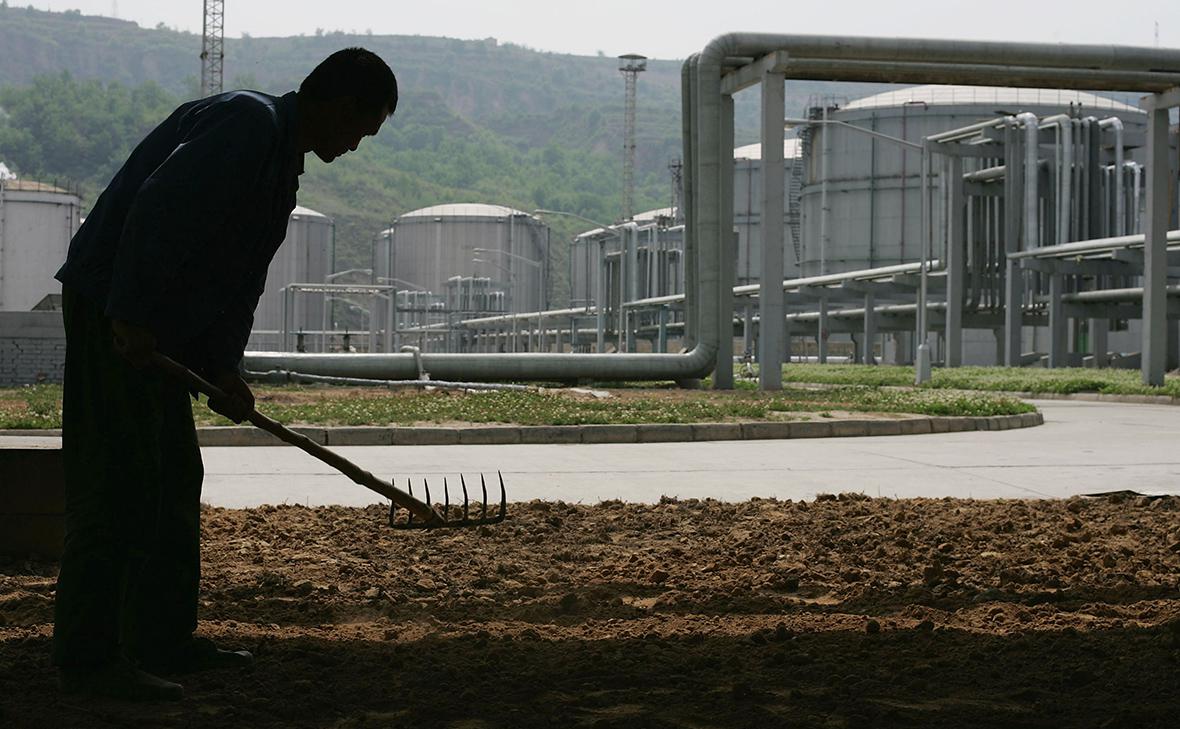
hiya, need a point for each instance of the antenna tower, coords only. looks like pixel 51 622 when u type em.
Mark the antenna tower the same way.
pixel 213 47
pixel 630 66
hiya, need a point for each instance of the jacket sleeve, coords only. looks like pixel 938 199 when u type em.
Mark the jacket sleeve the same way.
pixel 180 258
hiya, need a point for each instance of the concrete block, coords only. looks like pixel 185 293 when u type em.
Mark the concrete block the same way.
pixel 424 436
pixel 772 431
pixel 811 429
pixel 884 427
pixel 914 426
pixel 610 434
pixel 663 432
pixel 551 434
pixel 716 431
pixel 939 424
pixel 849 428
pixel 489 435
pixel 359 435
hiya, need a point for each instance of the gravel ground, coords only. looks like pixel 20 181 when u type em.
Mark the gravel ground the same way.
pixel 842 612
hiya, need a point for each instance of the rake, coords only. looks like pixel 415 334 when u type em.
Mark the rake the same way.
pixel 418 514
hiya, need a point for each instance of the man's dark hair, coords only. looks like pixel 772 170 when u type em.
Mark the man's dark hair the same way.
pixel 354 72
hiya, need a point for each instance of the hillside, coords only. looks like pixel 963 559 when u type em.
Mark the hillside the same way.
pixel 478 120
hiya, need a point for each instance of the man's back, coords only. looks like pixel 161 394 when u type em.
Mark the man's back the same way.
pixel 193 217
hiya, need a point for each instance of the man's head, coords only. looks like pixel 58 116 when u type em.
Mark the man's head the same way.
pixel 344 99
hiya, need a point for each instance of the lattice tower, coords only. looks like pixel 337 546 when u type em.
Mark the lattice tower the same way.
pixel 213 48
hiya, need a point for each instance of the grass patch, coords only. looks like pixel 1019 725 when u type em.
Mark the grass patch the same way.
pixel 1007 379
pixel 39 407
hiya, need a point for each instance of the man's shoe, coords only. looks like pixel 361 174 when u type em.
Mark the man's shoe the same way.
pixel 199 654
pixel 118 680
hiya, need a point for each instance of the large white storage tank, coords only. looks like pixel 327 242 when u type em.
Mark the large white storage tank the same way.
pixel 36 223
pixel 426 247
pixel 747 210
pixel 872 186
pixel 305 256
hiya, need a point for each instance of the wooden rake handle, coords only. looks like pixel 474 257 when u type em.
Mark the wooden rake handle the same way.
pixel 419 509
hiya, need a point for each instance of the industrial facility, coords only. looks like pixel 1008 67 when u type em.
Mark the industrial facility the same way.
pixel 1005 210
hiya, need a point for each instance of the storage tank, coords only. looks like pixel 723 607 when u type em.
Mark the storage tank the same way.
pixel 305 256
pixel 747 210
pixel 872 185
pixel 36 223
pixel 426 247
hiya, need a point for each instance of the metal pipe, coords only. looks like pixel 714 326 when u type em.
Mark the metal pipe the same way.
pixel 825 171
pixel 1028 120
pixel 1120 202
pixel 1063 146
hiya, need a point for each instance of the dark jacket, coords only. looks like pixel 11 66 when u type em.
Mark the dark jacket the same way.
pixel 180 240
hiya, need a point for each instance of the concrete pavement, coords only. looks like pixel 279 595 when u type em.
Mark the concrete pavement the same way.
pixel 1083 447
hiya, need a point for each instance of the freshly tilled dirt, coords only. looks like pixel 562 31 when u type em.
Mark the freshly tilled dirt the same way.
pixel 842 612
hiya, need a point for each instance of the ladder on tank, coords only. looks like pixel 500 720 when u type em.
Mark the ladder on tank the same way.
pixel 794 189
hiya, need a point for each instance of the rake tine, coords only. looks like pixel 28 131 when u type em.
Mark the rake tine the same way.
pixel 503 497
pixel 483 513
pixel 464 484
pixel 426 485
pixel 410 485
pixel 446 500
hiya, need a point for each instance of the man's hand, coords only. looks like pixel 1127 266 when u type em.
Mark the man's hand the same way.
pixel 239 401
pixel 133 342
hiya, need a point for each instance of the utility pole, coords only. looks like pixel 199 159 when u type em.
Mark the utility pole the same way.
pixel 630 65
pixel 213 47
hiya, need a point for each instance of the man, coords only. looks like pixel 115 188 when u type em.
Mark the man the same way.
pixel 173 258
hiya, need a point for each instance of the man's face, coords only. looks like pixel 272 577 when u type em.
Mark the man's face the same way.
pixel 344 127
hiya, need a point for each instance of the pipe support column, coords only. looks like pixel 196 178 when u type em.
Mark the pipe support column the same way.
pixel 1155 252
pixel 772 329
pixel 723 374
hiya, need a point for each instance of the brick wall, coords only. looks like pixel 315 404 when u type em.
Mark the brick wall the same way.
pixel 32 347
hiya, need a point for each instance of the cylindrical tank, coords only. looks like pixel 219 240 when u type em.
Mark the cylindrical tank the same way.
pixel 305 256
pixel 426 247
pixel 36 223
pixel 872 186
pixel 747 210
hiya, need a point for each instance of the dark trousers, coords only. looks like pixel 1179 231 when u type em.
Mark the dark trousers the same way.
pixel 131 567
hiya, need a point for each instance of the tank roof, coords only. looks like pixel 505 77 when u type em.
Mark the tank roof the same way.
pixel 19 185
pixel 307 212
pixel 938 95
pixel 464 210
pixel 791 150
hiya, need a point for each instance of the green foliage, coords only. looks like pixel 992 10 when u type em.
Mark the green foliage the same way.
pixel 75 129
pixel 39 407
pixel 34 407
pixel 995 379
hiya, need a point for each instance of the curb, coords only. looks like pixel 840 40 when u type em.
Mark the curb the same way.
pixel 1097 397
pixel 237 435
pixel 644 433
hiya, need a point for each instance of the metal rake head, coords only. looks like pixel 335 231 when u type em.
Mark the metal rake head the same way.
pixel 449 522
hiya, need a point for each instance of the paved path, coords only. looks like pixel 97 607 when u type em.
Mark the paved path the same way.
pixel 1082 448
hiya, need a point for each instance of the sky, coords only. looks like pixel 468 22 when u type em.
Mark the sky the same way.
pixel 662 28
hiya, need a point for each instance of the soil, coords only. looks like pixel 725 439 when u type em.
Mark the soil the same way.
pixel 841 612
